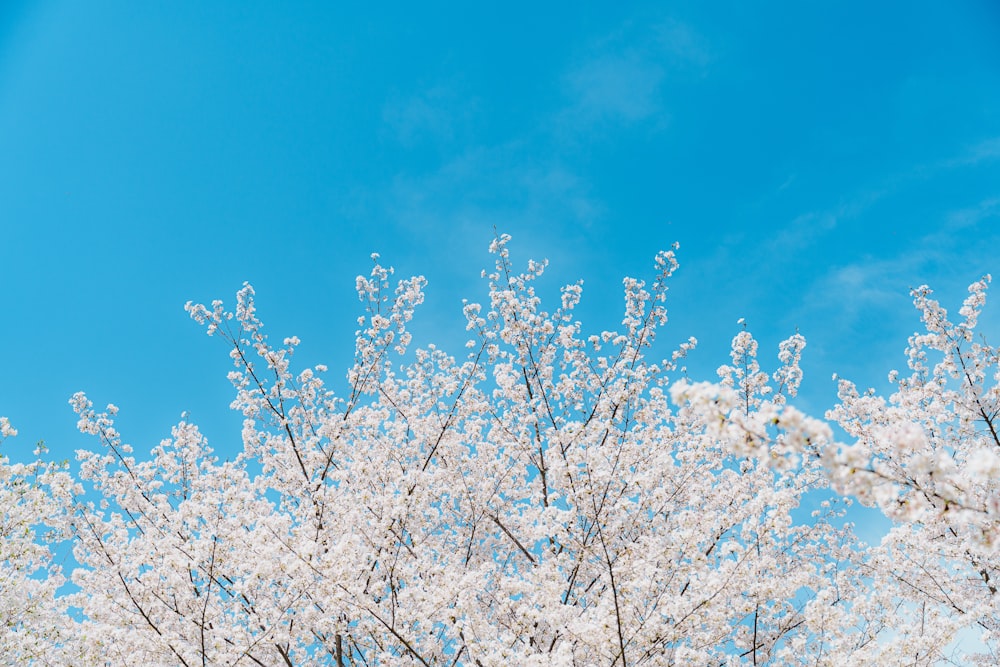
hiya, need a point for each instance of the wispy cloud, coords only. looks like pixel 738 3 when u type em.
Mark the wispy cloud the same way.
pixel 947 259
pixel 871 282
pixel 619 80
pixel 623 76
pixel 972 216
pixel 984 151
pixel 801 233
pixel 487 186
pixel 434 114
pixel 856 204
pixel 615 87
pixel 685 47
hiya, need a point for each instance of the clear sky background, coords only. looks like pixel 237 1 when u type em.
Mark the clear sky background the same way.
pixel 814 159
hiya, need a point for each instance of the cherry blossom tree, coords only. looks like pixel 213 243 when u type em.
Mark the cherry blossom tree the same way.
pixel 540 502
pixel 552 497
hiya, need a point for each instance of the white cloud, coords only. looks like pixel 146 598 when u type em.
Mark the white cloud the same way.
pixel 972 216
pixel 623 77
pixel 984 151
pixel 492 186
pixel 857 203
pixel 869 283
pixel 943 258
pixel 802 232
pixel 435 114
pixel 687 47
pixel 616 87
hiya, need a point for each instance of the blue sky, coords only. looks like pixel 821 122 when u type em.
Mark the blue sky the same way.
pixel 814 159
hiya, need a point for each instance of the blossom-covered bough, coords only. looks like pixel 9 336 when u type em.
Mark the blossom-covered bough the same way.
pixel 554 498
pixel 928 457
pixel 34 626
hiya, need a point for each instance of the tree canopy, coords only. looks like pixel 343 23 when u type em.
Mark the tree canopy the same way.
pixel 553 496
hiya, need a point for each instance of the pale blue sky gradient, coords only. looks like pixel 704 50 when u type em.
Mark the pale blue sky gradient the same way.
pixel 813 159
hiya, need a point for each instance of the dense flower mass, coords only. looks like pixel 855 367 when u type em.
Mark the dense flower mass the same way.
pixel 553 498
